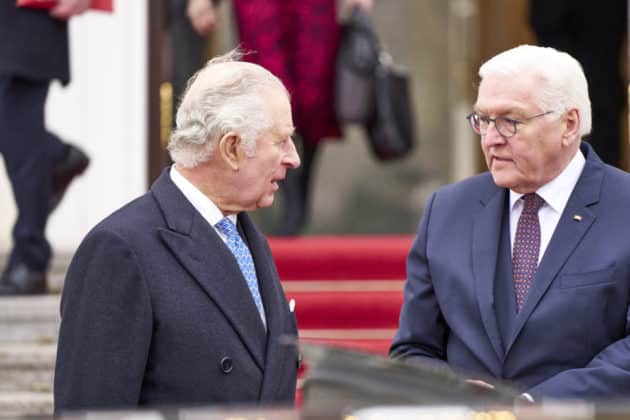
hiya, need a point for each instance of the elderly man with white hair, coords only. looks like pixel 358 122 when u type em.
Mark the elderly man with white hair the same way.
pixel 174 299
pixel 522 273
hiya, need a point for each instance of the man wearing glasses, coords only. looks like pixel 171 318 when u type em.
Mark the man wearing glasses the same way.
pixel 522 274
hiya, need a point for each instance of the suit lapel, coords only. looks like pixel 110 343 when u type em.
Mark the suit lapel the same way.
pixel 276 309
pixel 485 247
pixel 567 236
pixel 203 254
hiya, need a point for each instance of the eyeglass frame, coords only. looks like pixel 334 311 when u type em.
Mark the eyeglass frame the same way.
pixel 512 121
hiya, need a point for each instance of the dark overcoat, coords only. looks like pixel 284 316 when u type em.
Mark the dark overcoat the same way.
pixel 155 311
pixel 32 44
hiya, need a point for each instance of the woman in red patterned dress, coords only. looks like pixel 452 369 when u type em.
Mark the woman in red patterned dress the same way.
pixel 297 40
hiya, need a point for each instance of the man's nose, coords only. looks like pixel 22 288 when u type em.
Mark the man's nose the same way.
pixel 292 158
pixel 492 136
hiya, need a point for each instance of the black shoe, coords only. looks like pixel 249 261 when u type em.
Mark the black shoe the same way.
pixel 22 280
pixel 74 164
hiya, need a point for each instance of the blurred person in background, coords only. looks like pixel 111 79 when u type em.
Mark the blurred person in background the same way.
pixel 40 166
pixel 593 33
pixel 190 23
pixel 297 40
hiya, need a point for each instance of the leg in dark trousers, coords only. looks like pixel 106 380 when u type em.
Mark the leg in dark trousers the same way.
pixel 40 167
pixel 28 150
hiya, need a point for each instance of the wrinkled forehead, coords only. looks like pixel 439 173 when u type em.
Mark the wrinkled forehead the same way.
pixel 499 93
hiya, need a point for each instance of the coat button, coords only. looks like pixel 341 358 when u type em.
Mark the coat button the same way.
pixel 226 364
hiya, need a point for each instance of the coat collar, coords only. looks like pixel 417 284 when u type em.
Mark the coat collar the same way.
pixel 203 254
pixel 486 238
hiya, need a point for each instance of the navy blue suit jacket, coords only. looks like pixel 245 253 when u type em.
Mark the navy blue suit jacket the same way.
pixel 155 311
pixel 571 337
pixel 33 45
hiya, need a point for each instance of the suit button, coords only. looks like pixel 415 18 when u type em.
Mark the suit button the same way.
pixel 298 362
pixel 226 364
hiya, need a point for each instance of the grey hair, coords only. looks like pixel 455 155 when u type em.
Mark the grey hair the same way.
pixel 231 103
pixel 563 84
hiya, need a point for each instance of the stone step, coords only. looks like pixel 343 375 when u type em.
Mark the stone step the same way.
pixel 27 367
pixel 29 318
pixel 18 404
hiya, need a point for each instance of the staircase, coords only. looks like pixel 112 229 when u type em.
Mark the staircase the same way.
pixel 347 292
pixel 28 340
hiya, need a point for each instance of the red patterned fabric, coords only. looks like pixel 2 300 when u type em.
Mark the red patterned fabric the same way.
pixel 526 246
pixel 297 40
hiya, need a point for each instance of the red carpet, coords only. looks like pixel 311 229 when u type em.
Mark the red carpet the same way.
pixel 341 257
pixel 347 289
pixel 347 310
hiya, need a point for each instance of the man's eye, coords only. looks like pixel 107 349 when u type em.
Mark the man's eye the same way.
pixel 510 120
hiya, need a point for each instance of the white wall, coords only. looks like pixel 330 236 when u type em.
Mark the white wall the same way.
pixel 104 111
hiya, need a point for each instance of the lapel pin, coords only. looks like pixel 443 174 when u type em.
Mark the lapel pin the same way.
pixel 577 217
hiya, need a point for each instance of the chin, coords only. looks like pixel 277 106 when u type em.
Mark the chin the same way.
pixel 502 181
pixel 265 202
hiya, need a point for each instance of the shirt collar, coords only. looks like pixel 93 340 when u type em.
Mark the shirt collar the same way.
pixel 204 205
pixel 556 192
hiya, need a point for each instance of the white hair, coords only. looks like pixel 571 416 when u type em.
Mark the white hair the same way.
pixel 233 102
pixel 563 85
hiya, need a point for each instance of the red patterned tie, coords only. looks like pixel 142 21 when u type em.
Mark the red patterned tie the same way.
pixel 526 247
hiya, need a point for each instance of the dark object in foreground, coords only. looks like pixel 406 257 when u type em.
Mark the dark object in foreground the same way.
pixel 340 380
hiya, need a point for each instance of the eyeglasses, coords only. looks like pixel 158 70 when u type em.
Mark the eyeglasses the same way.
pixel 504 125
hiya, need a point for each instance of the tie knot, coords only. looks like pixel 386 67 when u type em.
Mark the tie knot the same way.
pixel 226 227
pixel 533 202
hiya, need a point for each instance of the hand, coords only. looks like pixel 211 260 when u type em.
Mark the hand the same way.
pixel 201 15
pixel 365 5
pixel 65 9
pixel 480 383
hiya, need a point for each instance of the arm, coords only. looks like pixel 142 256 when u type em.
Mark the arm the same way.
pixel 607 375
pixel 422 330
pixel 65 9
pixel 106 324
pixel 366 5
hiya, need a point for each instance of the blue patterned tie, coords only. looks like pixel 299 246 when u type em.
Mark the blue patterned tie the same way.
pixel 526 247
pixel 244 260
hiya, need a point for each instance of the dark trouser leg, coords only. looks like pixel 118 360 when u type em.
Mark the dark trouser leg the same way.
pixel 188 48
pixel 27 149
pixel 296 193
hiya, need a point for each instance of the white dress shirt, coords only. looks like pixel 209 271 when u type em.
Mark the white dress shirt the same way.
pixel 556 194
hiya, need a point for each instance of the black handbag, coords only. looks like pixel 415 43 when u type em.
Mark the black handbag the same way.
pixel 391 130
pixel 371 91
pixel 356 61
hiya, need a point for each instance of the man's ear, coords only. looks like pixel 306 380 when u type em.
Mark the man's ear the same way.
pixel 572 127
pixel 230 150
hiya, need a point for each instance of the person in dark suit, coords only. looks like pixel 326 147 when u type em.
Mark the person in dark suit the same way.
pixel 33 51
pixel 190 23
pixel 522 273
pixel 593 33
pixel 163 303
pixel 297 40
